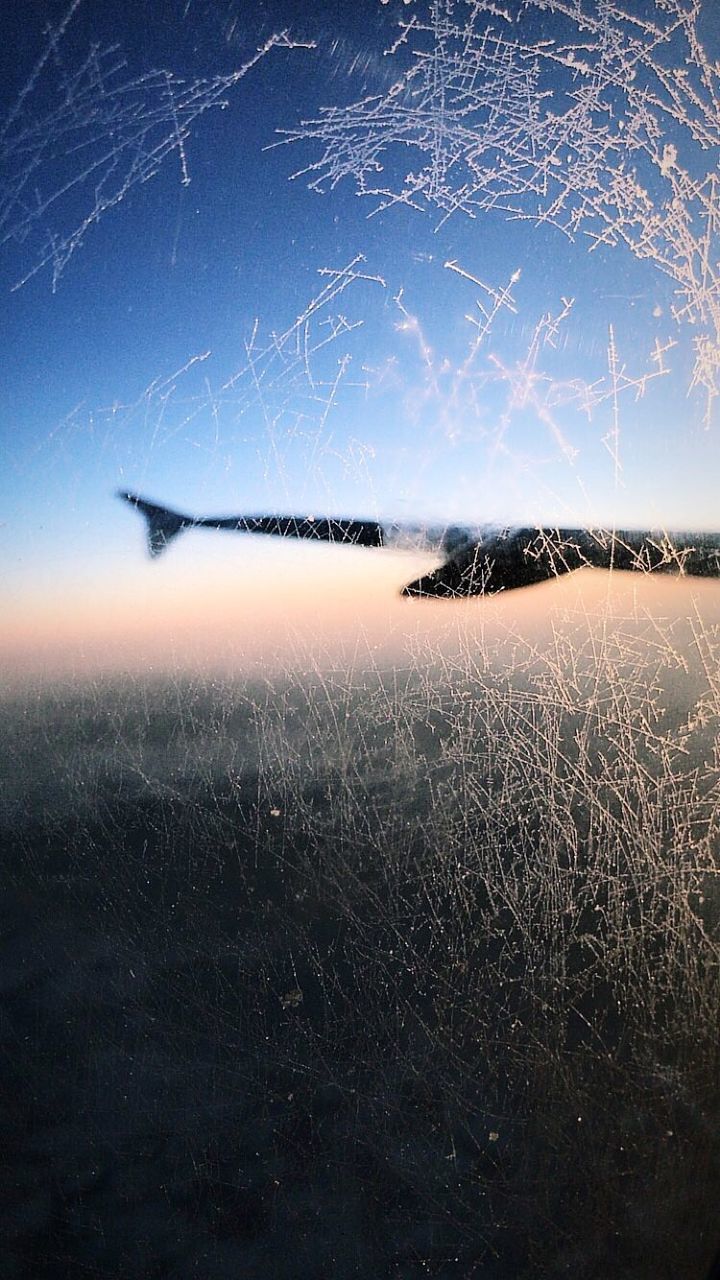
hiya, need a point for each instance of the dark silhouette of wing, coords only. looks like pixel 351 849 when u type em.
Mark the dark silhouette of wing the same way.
pixel 515 558
pixel 162 524
pixel 498 560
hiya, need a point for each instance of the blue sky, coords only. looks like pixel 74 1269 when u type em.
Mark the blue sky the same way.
pixel 179 276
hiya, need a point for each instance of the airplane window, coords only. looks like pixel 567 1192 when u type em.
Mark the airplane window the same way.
pixel 359 772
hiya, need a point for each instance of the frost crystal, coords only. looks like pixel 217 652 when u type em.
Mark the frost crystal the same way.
pixel 99 131
pixel 607 127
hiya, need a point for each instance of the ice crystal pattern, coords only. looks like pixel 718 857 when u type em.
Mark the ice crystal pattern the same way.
pixel 83 132
pixel 279 400
pixel 608 127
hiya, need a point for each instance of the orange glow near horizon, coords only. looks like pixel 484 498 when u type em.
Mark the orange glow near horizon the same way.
pixel 284 611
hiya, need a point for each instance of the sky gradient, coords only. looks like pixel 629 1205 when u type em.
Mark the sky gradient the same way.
pixel 224 339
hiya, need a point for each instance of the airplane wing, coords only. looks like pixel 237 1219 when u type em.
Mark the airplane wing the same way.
pixel 477 561
pixel 513 558
pixel 162 523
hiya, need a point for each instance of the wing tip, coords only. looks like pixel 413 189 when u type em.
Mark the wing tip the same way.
pixel 162 524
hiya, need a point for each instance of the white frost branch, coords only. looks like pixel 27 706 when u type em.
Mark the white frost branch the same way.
pixel 99 132
pixel 609 127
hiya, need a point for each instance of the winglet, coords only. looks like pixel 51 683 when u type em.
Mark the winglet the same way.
pixel 162 524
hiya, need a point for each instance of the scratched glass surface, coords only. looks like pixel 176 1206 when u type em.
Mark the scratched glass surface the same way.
pixel 359 772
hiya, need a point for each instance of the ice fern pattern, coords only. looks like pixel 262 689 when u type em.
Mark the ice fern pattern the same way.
pixel 83 132
pixel 582 114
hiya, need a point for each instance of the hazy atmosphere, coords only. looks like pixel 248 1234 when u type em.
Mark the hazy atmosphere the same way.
pixel 348 934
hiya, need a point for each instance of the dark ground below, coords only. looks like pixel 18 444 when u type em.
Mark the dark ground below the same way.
pixel 251 1028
